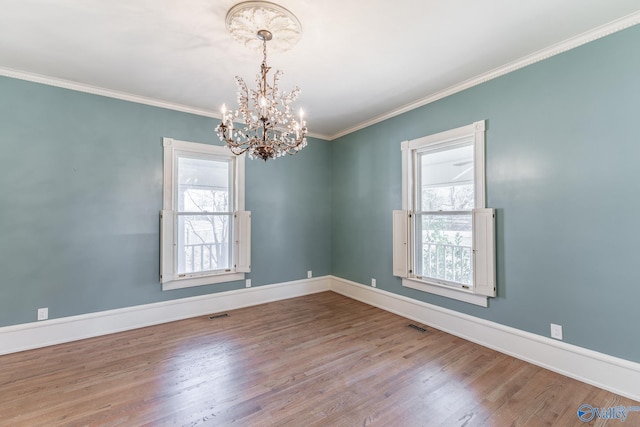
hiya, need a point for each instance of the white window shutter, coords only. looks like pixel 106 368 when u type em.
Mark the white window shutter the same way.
pixel 401 243
pixel 242 233
pixel 484 252
pixel 167 221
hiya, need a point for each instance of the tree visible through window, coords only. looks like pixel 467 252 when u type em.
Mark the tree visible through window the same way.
pixel 204 215
pixel 444 206
pixel 205 233
pixel 444 236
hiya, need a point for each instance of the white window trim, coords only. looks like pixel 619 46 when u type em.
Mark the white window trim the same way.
pixel 403 234
pixel 409 148
pixel 242 230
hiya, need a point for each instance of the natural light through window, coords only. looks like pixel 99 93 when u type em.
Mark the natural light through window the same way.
pixel 204 214
pixel 205 231
pixel 444 238
pixel 445 198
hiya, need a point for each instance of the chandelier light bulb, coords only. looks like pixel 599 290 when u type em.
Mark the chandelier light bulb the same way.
pixel 268 127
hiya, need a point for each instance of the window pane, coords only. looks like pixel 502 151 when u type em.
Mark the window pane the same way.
pixel 203 185
pixel 203 243
pixel 446 179
pixel 443 247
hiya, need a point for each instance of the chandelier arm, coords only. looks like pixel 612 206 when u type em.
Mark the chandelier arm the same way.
pixel 269 129
pixel 239 152
pixel 236 148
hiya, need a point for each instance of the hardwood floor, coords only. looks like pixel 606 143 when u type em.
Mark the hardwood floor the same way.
pixel 317 360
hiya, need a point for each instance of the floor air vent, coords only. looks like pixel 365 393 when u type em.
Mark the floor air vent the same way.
pixel 217 316
pixel 417 328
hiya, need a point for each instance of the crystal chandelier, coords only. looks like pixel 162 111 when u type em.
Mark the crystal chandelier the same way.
pixel 268 126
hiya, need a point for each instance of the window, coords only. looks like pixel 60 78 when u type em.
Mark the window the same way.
pixel 443 237
pixel 205 234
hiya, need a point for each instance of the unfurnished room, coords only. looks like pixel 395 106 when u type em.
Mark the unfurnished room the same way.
pixel 319 213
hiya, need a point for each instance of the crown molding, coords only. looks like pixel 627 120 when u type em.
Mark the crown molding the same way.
pixel 96 90
pixel 541 55
pixel 589 36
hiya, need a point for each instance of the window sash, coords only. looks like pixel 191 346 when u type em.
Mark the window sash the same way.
pixel 475 130
pixel 190 259
pixel 436 253
pixel 483 220
pixel 238 234
pixel 193 256
pixel 183 154
pixel 417 190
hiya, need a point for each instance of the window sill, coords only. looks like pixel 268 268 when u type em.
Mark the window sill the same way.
pixel 201 281
pixel 446 291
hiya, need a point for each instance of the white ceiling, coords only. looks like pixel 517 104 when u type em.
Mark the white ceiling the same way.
pixel 357 61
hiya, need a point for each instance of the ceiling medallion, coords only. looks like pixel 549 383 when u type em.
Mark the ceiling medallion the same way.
pixel 244 20
pixel 268 128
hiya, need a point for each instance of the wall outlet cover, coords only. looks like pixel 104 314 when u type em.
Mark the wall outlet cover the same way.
pixel 556 331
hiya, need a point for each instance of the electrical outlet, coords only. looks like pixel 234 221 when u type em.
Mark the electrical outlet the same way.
pixel 373 282
pixel 309 274
pixel 556 331
pixel 248 283
pixel 43 313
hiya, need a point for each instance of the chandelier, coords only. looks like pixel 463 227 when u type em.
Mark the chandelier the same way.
pixel 268 127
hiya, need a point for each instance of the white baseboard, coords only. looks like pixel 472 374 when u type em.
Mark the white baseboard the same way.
pixel 56 331
pixel 617 375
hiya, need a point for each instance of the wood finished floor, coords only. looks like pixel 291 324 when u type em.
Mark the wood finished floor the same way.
pixel 317 360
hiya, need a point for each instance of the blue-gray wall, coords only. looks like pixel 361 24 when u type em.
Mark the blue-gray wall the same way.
pixel 562 156
pixel 81 191
pixel 81 181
